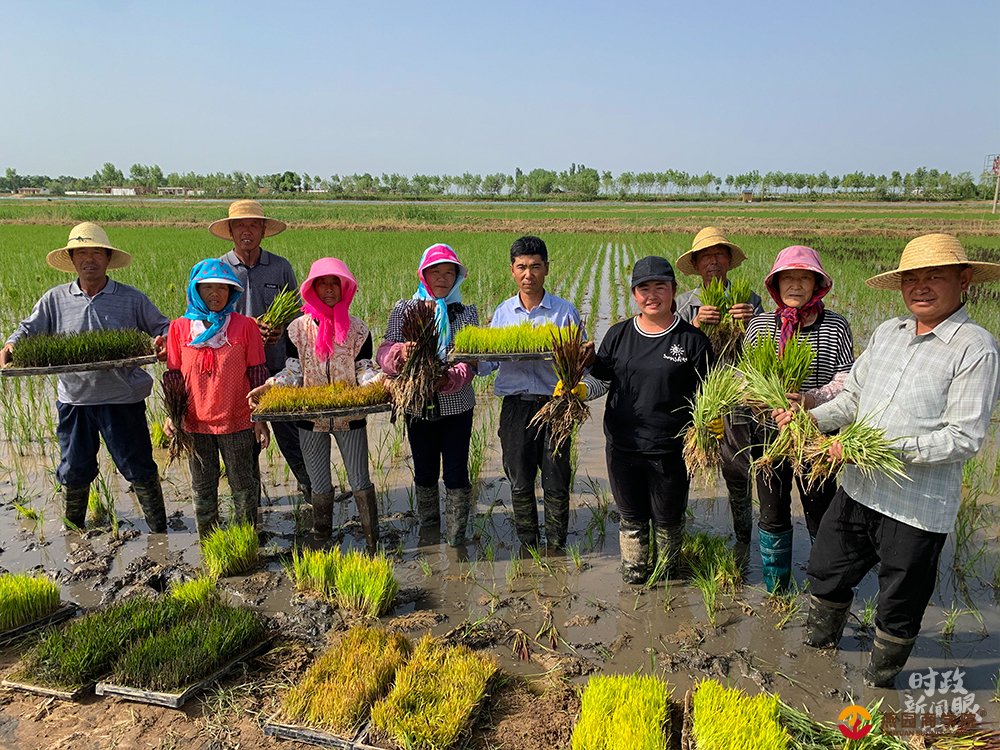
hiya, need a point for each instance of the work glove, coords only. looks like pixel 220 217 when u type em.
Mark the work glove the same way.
pixel 716 428
pixel 580 391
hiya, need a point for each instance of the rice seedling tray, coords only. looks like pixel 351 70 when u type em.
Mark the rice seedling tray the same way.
pixel 48 692
pixel 499 357
pixel 178 699
pixel 274 727
pixel 13 372
pixel 65 611
pixel 299 416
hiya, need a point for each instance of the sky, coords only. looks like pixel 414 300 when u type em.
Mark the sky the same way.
pixel 443 88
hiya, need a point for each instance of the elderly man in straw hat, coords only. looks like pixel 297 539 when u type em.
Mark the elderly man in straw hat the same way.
pixel 99 403
pixel 930 380
pixel 712 256
pixel 264 275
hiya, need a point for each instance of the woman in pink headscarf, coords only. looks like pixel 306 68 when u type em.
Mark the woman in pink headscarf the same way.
pixel 798 284
pixel 332 346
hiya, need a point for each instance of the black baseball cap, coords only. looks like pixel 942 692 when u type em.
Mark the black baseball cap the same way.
pixel 651 268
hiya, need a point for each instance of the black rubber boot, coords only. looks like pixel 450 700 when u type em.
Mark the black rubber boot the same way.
pixel 526 519
pixel 889 655
pixel 368 513
pixel 76 505
pixel 206 512
pixel 428 507
pixel 245 503
pixel 669 540
pixel 322 507
pixel 633 539
pixel 457 506
pixel 826 621
pixel 150 497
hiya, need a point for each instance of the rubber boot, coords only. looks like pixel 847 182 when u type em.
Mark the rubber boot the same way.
pixel 669 540
pixel 526 519
pixel 150 497
pixel 322 507
pixel 428 507
pixel 368 513
pixel 776 559
pixel 741 507
pixel 825 623
pixel 457 506
pixel 76 505
pixel 633 539
pixel 889 655
pixel 206 512
pixel 245 503
pixel 556 522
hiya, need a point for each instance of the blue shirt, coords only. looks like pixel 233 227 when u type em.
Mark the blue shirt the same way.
pixel 534 378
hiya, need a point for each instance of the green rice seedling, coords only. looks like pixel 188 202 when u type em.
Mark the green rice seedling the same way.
pixel 866 620
pixel 425 566
pixel 950 621
pixel 231 551
pixel 996 689
pixel 729 719
pixel 564 413
pixel 283 309
pixel 189 650
pixel 340 687
pixel 412 390
pixel 52 350
pixel 718 394
pixel 619 712
pixel 786 604
pixel 710 555
pixel 85 649
pixel 26 511
pixel 573 550
pixel 808 734
pixel 366 585
pixel 709 586
pixel 195 592
pixel 864 446
pixel 285 399
pixel 435 695
pixel 548 629
pixel 791 368
pixel 523 338
pixel 514 571
pixel 25 598
pixel 315 570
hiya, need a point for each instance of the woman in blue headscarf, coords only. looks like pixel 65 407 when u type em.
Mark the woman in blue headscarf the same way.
pixel 214 358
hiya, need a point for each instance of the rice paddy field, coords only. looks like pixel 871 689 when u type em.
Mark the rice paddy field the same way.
pixel 550 621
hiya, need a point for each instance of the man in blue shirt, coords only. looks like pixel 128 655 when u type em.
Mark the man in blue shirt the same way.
pixel 525 387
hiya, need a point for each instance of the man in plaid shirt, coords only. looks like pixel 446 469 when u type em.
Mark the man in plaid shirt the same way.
pixel 930 380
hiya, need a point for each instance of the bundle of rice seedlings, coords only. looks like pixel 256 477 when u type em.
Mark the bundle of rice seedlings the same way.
pixel 623 711
pixel 726 335
pixel 791 368
pixel 52 350
pixel 562 414
pixel 25 598
pixel 412 390
pixel 810 734
pixel 85 649
pixel 315 570
pixel 175 399
pixel 340 687
pixel 231 551
pixel 366 585
pixel 714 295
pixel 788 444
pixel 863 445
pixel 194 593
pixel 518 339
pixel 189 650
pixel 283 309
pixel 289 399
pixel 729 719
pixel 718 394
pixel 434 696
pixel 710 556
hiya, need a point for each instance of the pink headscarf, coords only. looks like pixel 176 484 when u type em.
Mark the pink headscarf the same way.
pixel 797 257
pixel 335 322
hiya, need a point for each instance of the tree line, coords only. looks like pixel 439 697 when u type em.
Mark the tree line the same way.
pixel 578 182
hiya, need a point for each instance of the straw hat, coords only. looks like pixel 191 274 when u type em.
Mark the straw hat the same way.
pixel 931 251
pixel 86 234
pixel 245 210
pixel 708 237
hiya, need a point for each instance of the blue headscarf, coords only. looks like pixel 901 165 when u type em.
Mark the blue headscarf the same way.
pixel 432 256
pixel 216 272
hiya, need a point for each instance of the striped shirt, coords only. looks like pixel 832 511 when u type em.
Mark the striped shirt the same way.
pixel 934 394
pixel 66 309
pixel 829 336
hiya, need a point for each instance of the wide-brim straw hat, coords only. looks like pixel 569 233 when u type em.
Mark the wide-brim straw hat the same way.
pixel 83 235
pixel 932 251
pixel 246 210
pixel 708 237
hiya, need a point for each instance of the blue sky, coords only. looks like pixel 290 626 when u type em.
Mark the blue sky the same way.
pixel 331 87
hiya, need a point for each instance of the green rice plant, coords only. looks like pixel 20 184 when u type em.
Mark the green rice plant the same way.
pixel 710 555
pixel 190 649
pixel 86 648
pixel 283 309
pixel 196 592
pixel 231 551
pixel 709 586
pixel 562 414
pixel 575 556
pixel 523 338
pixel 718 394
pixel 623 712
pixel 791 368
pixel 25 598
pixel 808 734
pixel 866 621
pixel 950 621
pixel 26 511
pixel 863 445
pixel 340 687
pixel 284 399
pixel 766 389
pixel 366 585
pixel 425 566
pixel 315 570
pixel 728 719
pixel 435 695
pixel 102 345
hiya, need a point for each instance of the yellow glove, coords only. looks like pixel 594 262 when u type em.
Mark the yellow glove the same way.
pixel 717 428
pixel 580 391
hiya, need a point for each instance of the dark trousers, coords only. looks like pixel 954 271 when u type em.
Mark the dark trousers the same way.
pixel 852 539
pixel 286 435
pixel 649 488
pixel 441 441
pixel 741 434
pixel 775 494
pixel 125 433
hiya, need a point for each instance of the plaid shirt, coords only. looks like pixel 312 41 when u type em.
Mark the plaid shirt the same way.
pixel 934 394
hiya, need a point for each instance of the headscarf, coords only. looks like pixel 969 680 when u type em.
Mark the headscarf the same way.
pixel 432 256
pixel 796 257
pixel 210 271
pixel 334 322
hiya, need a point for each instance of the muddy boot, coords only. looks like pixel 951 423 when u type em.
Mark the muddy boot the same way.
pixel 150 497
pixel 776 560
pixel 306 491
pixel 76 505
pixel 206 512
pixel 889 655
pixel 669 540
pixel 322 507
pixel 556 522
pixel 825 623
pixel 428 507
pixel 741 554
pixel 741 506
pixel 526 519
pixel 633 539
pixel 368 513
pixel 245 504
pixel 457 506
